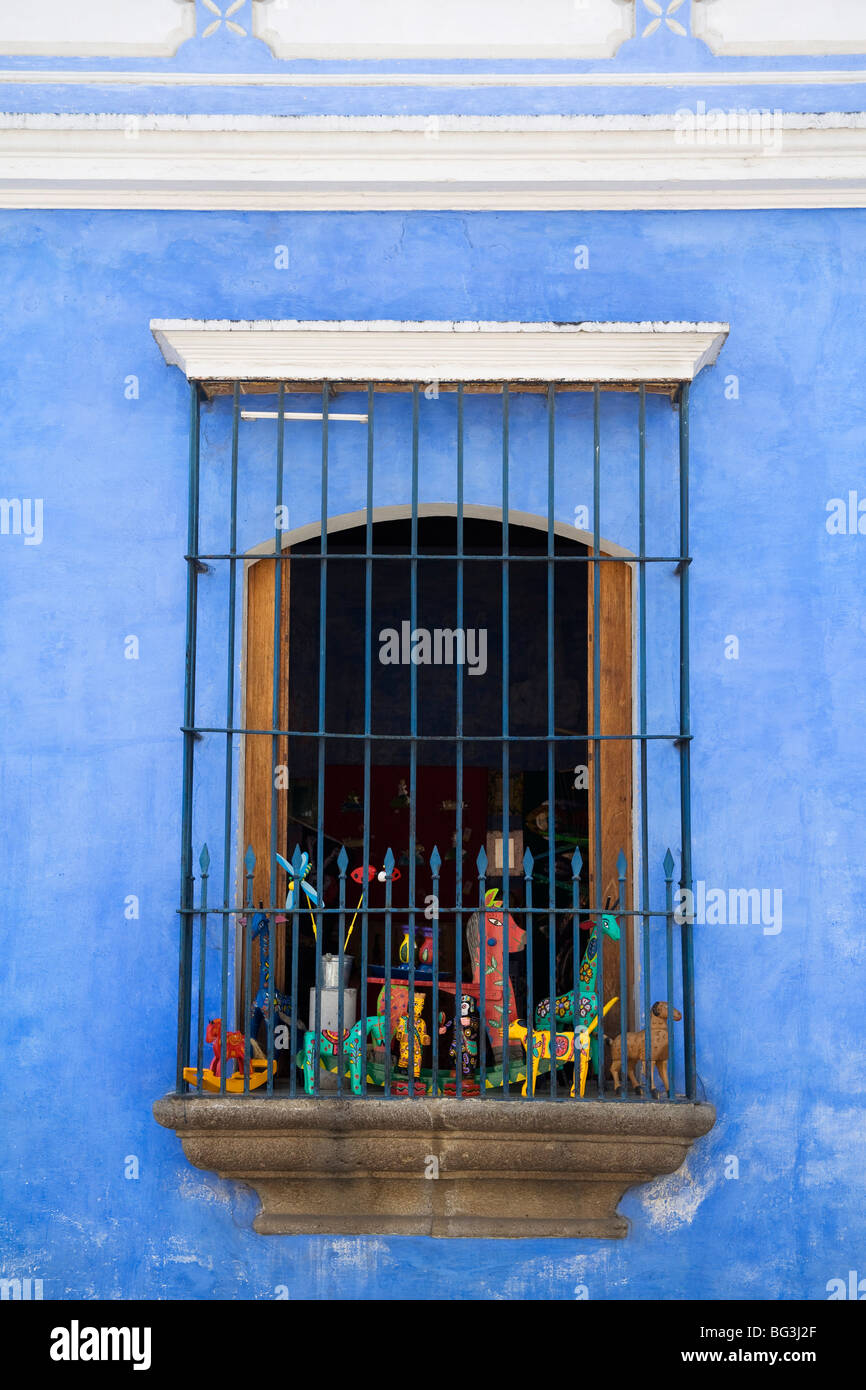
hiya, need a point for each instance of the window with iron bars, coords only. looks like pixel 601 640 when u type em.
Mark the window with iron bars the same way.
pixel 436 754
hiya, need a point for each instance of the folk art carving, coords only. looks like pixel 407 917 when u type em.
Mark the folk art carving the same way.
pixel 636 1048
pixel 354 1051
pixel 500 939
pixel 211 1078
pixel 570 1047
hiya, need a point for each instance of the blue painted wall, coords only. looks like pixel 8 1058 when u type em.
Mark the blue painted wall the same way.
pixel 92 755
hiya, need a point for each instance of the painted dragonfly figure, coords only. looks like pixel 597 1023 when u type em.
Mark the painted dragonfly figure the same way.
pixel 297 881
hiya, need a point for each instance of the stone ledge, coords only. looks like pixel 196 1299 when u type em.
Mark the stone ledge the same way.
pixel 506 1169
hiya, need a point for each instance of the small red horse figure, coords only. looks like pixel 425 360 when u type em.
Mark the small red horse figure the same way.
pixel 234 1046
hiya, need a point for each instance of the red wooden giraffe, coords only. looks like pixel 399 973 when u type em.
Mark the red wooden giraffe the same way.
pixel 498 945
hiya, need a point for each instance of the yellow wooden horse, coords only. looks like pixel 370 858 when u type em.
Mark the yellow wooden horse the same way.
pixel 565 1049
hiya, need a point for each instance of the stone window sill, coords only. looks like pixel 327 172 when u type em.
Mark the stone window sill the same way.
pixel 333 1166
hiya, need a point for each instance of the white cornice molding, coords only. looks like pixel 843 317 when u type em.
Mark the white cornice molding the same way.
pixel 448 163
pixel 382 350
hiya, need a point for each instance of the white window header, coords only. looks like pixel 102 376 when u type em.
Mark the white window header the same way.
pixel 382 350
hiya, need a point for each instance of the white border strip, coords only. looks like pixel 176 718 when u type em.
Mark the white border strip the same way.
pixel 429 126
pixel 807 77
pixel 385 350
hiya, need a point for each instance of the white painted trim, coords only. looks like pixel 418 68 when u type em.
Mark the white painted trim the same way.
pixel 400 511
pixel 291 350
pixel 391 124
pixel 782 27
pixel 395 29
pixel 461 163
pixel 64 28
pixel 707 80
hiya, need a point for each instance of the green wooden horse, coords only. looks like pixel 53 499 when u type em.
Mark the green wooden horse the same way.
pixel 354 1051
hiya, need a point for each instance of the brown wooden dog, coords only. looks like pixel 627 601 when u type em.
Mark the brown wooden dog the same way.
pixel 636 1048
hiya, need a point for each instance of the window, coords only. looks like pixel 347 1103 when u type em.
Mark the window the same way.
pixel 437 733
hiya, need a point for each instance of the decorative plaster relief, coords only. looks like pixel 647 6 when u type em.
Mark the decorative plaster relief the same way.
pixel 780 26
pixel 448 29
pixel 663 15
pixel 96 28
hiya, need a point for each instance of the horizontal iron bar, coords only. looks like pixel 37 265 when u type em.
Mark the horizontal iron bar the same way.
pixel 220 386
pixel 452 555
pixel 566 913
pixel 442 738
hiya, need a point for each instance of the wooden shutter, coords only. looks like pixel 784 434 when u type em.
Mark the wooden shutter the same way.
pixel 258 748
pixel 616 758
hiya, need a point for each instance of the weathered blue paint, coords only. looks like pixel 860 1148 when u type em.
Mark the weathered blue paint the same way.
pixel 92 753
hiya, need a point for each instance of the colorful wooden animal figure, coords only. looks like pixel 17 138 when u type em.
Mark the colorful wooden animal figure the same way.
pixel 304 869
pixel 399 1004
pixel 235 1046
pixel 420 1038
pixel 364 1031
pixel 499 941
pixel 464 1046
pixel 587 999
pixel 294 887
pixel 540 1045
pixel 354 1051
pixel 636 1048
pixel 261 932
pixel 570 1047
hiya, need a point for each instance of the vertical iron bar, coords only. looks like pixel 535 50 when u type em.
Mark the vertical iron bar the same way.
pixel 320 807
pixel 625 923
pixel 386 1032
pixel 598 857
pixel 669 956
pixel 506 751
pixel 275 720
pixel 646 919
pixel 341 919
pixel 687 940
pixel 458 862
pixel 294 1031
pixel 184 991
pixel 247 1002
pixel 368 727
pixel 576 1023
pixel 230 706
pixel 435 864
pixel 413 744
pixel 482 970
pixel 528 863
pixel 204 863
pixel 551 731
